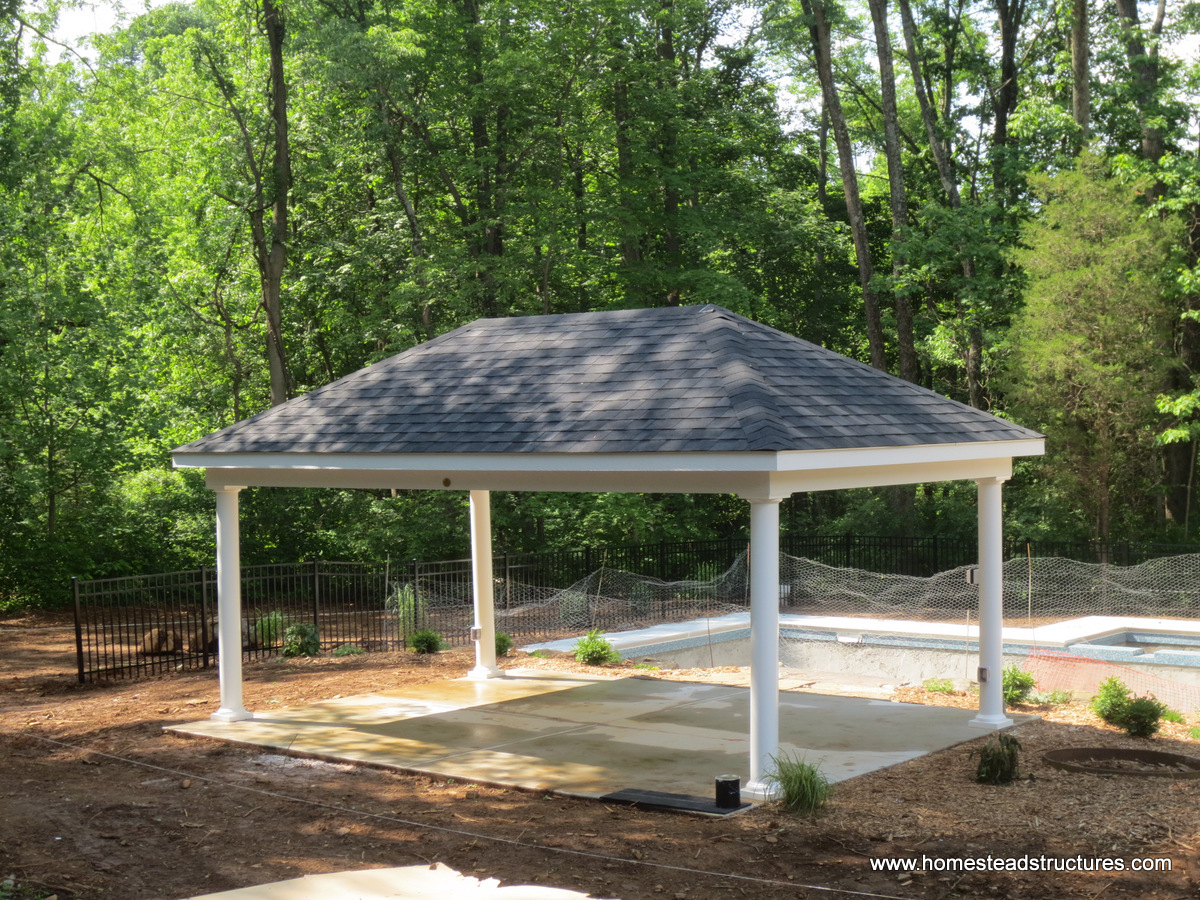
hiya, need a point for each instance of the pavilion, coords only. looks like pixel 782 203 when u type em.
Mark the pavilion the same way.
pixel 681 399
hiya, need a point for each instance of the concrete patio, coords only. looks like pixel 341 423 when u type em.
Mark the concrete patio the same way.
pixel 593 735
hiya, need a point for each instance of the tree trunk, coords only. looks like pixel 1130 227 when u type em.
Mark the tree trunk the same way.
pixel 941 153
pixel 1081 69
pixel 669 143
pixel 1143 65
pixel 815 10
pixel 1011 15
pixel 909 366
pixel 280 184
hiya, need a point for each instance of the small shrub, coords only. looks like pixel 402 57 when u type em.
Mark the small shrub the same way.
pixel 1172 715
pixel 998 760
pixel 1018 685
pixel 426 640
pixel 939 686
pixel 268 629
pixel 650 666
pixel 504 643
pixel 1194 733
pixel 593 650
pixel 540 654
pixel 1110 700
pixel 803 787
pixel 1140 716
pixel 348 650
pixel 301 639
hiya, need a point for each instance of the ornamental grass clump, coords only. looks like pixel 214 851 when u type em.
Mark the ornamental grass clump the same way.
pixel 1018 685
pixel 803 787
pixel 426 640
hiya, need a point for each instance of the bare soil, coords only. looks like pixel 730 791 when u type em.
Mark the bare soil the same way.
pixel 98 802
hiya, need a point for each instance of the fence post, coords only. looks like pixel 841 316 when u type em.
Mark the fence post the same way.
pixel 204 628
pixel 662 560
pixel 317 598
pixel 507 580
pixel 78 628
pixel 416 592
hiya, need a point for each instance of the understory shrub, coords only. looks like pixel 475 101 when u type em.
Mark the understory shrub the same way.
pixel 348 650
pixel 504 643
pixel 1139 716
pixel 426 640
pixel 1110 700
pixel 998 760
pixel 803 787
pixel 301 639
pixel 1018 685
pixel 593 650
pixel 268 629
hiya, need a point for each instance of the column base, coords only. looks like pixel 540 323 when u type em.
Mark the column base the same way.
pixel 990 722
pixel 760 791
pixel 483 673
pixel 232 714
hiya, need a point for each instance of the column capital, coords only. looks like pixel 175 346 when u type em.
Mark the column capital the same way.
pixel 226 488
pixel 754 501
pixel 992 479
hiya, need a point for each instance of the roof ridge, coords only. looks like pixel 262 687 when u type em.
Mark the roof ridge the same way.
pixel 748 392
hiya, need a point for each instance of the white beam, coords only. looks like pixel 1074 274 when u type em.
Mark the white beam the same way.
pixel 764 646
pixel 229 607
pixel 991 606
pixel 481 574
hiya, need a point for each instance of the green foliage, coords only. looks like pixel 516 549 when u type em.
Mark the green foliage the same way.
pixel 593 650
pixel 1173 715
pixel 1110 700
pixel 1140 716
pixel 1088 354
pixel 425 640
pixel 348 650
pixel 1018 685
pixel 647 666
pixel 540 654
pixel 268 629
pixel 939 685
pixel 1194 733
pixel 504 643
pixel 301 639
pixel 998 760
pixel 803 786
pixel 406 609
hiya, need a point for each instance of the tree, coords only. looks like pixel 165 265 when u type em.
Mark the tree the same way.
pixel 1093 343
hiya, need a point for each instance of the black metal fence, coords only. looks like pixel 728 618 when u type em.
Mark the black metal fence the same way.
pixel 135 626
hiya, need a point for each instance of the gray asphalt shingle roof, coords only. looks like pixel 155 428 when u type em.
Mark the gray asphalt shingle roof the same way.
pixel 694 378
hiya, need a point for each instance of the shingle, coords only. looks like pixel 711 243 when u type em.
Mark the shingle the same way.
pixel 677 379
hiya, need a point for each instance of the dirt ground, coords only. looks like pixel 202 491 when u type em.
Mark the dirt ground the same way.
pixel 97 802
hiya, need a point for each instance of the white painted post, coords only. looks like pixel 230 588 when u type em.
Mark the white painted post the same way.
pixel 991 606
pixel 764 646
pixel 481 574
pixel 229 607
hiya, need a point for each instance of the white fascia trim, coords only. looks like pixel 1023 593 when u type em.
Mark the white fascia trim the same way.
pixel 754 461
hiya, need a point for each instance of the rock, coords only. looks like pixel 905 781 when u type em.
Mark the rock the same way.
pixel 161 642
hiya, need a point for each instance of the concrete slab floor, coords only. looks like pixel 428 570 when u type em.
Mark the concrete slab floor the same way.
pixel 592 735
pixel 436 882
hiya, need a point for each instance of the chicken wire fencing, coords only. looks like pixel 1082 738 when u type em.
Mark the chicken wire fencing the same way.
pixel 130 627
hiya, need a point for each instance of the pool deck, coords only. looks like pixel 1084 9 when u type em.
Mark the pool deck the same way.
pixel 590 735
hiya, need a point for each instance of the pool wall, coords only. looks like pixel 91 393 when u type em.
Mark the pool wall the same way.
pixel 902 650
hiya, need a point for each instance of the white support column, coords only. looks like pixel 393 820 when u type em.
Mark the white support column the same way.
pixel 991 606
pixel 764 646
pixel 484 631
pixel 229 607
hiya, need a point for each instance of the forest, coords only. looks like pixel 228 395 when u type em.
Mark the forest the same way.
pixel 222 204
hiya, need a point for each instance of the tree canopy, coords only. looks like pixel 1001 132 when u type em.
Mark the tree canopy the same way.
pixel 222 204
